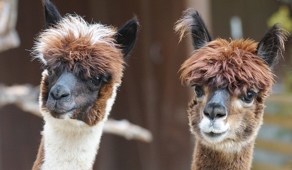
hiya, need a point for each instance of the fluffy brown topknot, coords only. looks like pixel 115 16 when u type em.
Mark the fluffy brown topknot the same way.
pixel 87 50
pixel 231 64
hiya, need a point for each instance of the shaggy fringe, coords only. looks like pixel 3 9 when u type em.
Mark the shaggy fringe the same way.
pixel 85 49
pixel 228 64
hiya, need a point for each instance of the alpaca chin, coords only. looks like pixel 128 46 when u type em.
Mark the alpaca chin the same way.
pixel 60 110
pixel 214 137
pixel 214 131
pixel 67 115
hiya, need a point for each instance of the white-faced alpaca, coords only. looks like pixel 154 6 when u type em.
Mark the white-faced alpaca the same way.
pixel 84 65
pixel 231 79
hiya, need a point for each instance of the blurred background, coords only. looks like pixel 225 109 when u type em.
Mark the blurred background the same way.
pixel 151 94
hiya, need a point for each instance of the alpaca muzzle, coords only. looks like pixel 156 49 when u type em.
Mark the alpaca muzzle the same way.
pixel 60 100
pixel 213 126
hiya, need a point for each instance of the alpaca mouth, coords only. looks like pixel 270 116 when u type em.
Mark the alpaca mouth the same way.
pixel 58 108
pixel 61 113
pixel 213 135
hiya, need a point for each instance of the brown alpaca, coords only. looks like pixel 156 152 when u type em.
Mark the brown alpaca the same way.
pixel 83 67
pixel 231 80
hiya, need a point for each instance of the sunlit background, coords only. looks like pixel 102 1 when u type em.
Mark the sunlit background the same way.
pixel 151 95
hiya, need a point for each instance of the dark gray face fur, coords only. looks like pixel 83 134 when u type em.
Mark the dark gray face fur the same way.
pixel 68 95
pixel 216 108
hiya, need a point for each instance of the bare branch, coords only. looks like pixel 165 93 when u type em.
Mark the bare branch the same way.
pixel 26 98
pixel 126 129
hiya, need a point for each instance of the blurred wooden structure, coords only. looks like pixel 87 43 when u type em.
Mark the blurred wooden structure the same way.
pixel 275 137
pixel 151 94
pixel 8 17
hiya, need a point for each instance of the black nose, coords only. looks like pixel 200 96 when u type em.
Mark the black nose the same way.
pixel 59 92
pixel 214 111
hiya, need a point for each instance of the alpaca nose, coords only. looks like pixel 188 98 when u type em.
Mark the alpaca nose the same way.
pixel 214 111
pixel 216 107
pixel 59 92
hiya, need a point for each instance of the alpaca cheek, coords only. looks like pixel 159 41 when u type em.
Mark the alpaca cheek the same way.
pixel 194 119
pixel 252 125
pixel 244 124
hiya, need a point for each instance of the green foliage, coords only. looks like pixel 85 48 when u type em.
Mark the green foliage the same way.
pixel 288 82
pixel 281 16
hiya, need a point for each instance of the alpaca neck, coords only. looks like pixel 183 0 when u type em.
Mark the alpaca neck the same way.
pixel 73 149
pixel 208 158
pixel 70 144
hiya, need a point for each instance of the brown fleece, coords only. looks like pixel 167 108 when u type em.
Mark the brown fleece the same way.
pixel 229 64
pixel 249 119
pixel 97 112
pixel 64 52
pixel 244 123
pixel 235 65
pixel 87 51
pixel 79 56
pixel 206 158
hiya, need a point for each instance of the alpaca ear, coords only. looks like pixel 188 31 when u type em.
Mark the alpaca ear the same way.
pixel 271 47
pixel 126 35
pixel 52 15
pixel 192 21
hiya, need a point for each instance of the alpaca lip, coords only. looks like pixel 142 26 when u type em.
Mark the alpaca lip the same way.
pixel 59 107
pixel 56 110
pixel 59 113
pixel 213 134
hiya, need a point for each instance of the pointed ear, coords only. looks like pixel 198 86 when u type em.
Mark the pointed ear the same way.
pixel 52 15
pixel 192 21
pixel 271 47
pixel 126 35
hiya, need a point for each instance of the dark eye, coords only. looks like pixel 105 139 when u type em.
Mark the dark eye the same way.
pixel 96 81
pixel 199 91
pixel 248 98
pixel 50 72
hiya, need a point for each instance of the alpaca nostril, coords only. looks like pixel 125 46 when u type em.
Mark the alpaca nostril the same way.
pixel 219 111
pixel 220 115
pixel 214 111
pixel 206 114
pixel 64 95
pixel 59 92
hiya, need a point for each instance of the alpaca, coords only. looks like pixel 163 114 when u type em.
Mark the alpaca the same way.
pixel 83 66
pixel 231 80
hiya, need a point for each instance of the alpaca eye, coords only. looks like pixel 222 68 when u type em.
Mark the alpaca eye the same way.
pixel 248 98
pixel 50 72
pixel 95 81
pixel 199 91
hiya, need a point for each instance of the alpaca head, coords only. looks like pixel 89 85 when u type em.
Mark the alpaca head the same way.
pixel 231 79
pixel 83 65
